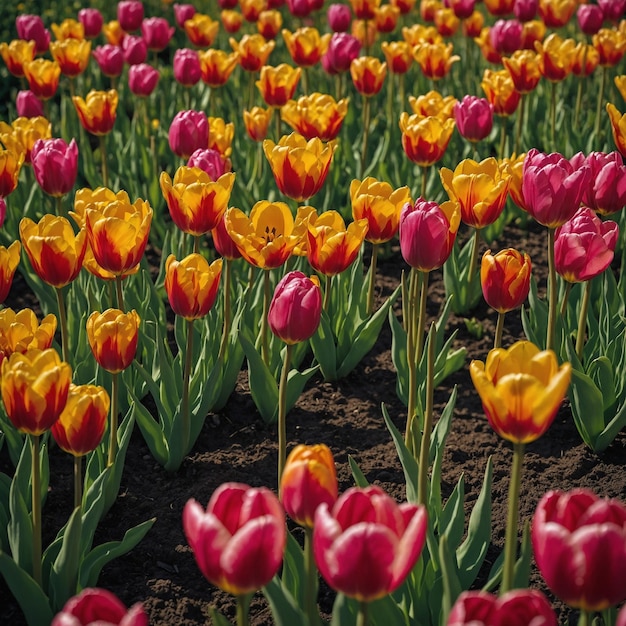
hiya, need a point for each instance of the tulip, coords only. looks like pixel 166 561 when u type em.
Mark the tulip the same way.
pixel 269 23
pixel 398 55
pixel 157 33
pixel 113 33
pixel 69 28
pixel 278 84
pixel 506 36
pixel 434 59
pixel 43 77
pixel 611 45
pixel 201 30
pixel 386 18
pixel 500 91
pixel 446 22
pixel 135 49
pixel 183 12
pixel 366 544
pixel 186 66
pixel 586 61
pixel 368 75
pixel 579 543
pixel 72 55
pixel 525 10
pixel 21 331
pixel 253 51
pixel 110 58
pixel 299 8
pixel 483 41
pixel 343 48
pixel 251 9
pixel 339 17
pixel 142 79
pixel 223 242
pixel 607 192
pixel 555 57
pixel 97 112
pixel 55 165
pixel 433 104
pixel 94 606
pixel 474 118
pixel 216 66
pixel 130 14
pixel 188 132
pixel 524 607
pixel 28 104
pixel 221 135
pixel 16 53
pixel 232 21
pixel 365 9
pixel 590 18
pixel 405 6
pixel 26 131
pixel 211 161
pixel 556 13
pixel 92 22
pixel 9 260
pixel 10 164
pixel 316 115
pixel 613 9
pixel 425 139
pixel 238 542
pixel 618 128
pixel 462 8
pixel 257 122
pixel 365 31
pixel 306 46
pixel 499 7
pixel 113 337
pixel 505 279
pixel 31 28
pixel 299 166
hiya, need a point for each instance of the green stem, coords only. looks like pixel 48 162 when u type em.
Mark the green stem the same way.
pixel 227 312
pixel 327 291
pixel 361 618
pixel 305 81
pixel 401 83
pixel 520 124
pixel 61 212
pixel 497 341
pixel 553 115
pixel 425 169
pixel 251 81
pixel 36 507
pixel 582 321
pixel 599 116
pixel 338 89
pixel 184 404
pixel 410 327
pixel 584 619
pixel 422 489
pixel 277 122
pixel 579 98
pixel 510 540
pixel 63 324
pixel 282 412
pixel 366 39
pixel 196 244
pixel 366 125
pixel 503 119
pixel 311 578
pixel 119 294
pixel 372 282
pixel 471 270
pixel 568 289
pixel 421 318
pixel 113 424
pixel 78 481
pixel 552 295
pixel 242 610
pixel 265 351
pixel 103 156
pixel 390 100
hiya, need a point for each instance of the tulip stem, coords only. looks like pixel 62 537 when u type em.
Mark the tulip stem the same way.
pixel 78 481
pixel 471 270
pixel 184 403
pixel 497 341
pixel 311 578
pixel 36 507
pixel 118 291
pixel 327 291
pixel 277 122
pixel 502 137
pixel 599 115
pixel 584 619
pixel 552 115
pixel 226 321
pixel 510 540
pixel 366 125
pixel 582 321
pixel 61 212
pixel 282 412
pixel 63 324
pixel 103 157
pixel 422 483
pixel 425 169
pixel 410 325
pixel 265 352
pixel 251 82
pixel 113 425
pixel 361 618
pixel 579 96
pixel 520 124
pixel 372 282
pixel 421 320
pixel 242 610
pixel 401 84
pixel 568 289
pixel 552 295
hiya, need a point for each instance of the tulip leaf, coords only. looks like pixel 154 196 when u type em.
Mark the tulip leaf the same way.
pixel 152 432
pixel 218 619
pixel 452 519
pixel 12 437
pixel 449 575
pixel 587 403
pixel 93 506
pixel 293 575
pixel 20 528
pixel 465 289
pixel 27 592
pixel 285 609
pixel 521 572
pixel 344 611
pixel 230 370
pixel 5 488
pixel 115 478
pixel 615 425
pixel 357 474
pixel 601 372
pixel 324 351
pixel 295 384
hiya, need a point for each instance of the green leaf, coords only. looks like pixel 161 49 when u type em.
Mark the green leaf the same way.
pixel 64 574
pixel 357 474
pixel 293 576
pixel 20 529
pixel 324 351
pixel 601 372
pixel 452 520
pixel 151 430
pixel 606 437
pixel 285 610
pixel 218 619
pixel 344 611
pixel 451 583
pixel 587 403
pixel 521 572
pixel 295 384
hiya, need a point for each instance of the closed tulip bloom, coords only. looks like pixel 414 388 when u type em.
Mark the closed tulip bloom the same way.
pixel 481 189
pixel 216 66
pixel 316 115
pixel 266 239
pixel 433 104
pixel 473 117
pixel 221 135
pixel 183 12
pixel 299 166
pixel 425 139
pixel 31 28
pixel 54 251
pixel 97 112
pixel 506 36
pixel 446 21
pixel 269 23
pixel 69 28
pixel 43 77
pixel 278 84
pixel 9 260
pixel 72 55
pixel 584 246
pixel 606 193
pixel 231 20
pixel 405 6
pixel 556 13
pixel 309 479
pixel 462 8
pixel 583 536
pixel 254 51
pixel 186 67
pixel 427 232
pixel 368 75
pixel 118 234
pixel 201 30
pixel 257 122
pixel 343 48
pixel 11 161
pixel 27 131
pixel 398 55
pixel 613 9
pixel 483 41
pixel 618 127
pixel 522 607
pixel 110 59
pixel 21 331
pixel 35 385
pixel 435 59
pixel 223 242
pixel 251 9
pixel 556 57
pixel 92 22
pixel 55 165
pixel 611 45
pixel 331 246
pixel 239 540
pixel 28 104
pixel 365 9
pixel 590 18
pixel 525 10
pixel 211 161
pixel 339 17
pixel 387 18
pixel 552 187
pixel 500 91
pixel 505 279
pixel 156 32
pixel 82 422
pixel 142 79
pixel 113 337
pixel 16 53
pixel 523 66
pixel 499 8
pixel 380 204
pixel 95 606
pixel 365 31
pixel 366 544
pixel 135 49
pixel 521 390
pixel 586 59
pixel 188 131
pixel 533 31
pixel 86 198
pixel 130 14
pixel 306 46
pixel 113 33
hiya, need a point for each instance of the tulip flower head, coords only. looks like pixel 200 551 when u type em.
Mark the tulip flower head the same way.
pixel 110 59
pixel 31 28
pixel 523 66
pixel 11 160
pixel 223 242
pixel 434 59
pixel 339 17
pixel 130 14
pixel 606 193
pixel 505 279
pixel 398 56
pixel 21 331
pixel 43 77
pixel 182 13
pixel 28 104
pixel 55 165
pixel 92 22
pixel 188 132
pixel 135 49
pixel 253 50
pixel 72 55
pixel 500 91
pixel 211 161
pixel 216 66
pixel 238 541
pixel 425 139
pixel 368 75
pixel 27 130
pixel 97 112
pixel 257 122
pixel 142 79
pixel 590 18
pixel 201 30
pixel 269 23
pixel 113 337
pixel 186 65
pixel 306 46
pixel 156 32
pixel 433 104
pixel 611 45
pixel 278 84
pixel 521 389
pixel 556 57
pixel 113 33
pixel 16 53
pixel 366 544
pixel 579 543
pixel 618 127
pixel 316 115
pixel 474 118
pixel 525 10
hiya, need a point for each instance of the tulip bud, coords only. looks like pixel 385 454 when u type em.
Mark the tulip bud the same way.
pixel 343 48
pixel 110 58
pixel 339 17
pixel 135 49
pixel 505 279
pixel 55 165
pixel 211 161
pixel 113 337
pixel 157 33
pixel 525 10
pixel 188 132
pixel 130 14
pixel 186 67
pixel 183 12
pixel 590 18
pixel 142 79
pixel 92 22
pixel 28 104
pixel 31 28
pixel 473 117
pixel 97 112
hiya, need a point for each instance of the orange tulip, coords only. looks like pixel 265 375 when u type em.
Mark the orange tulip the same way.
pixel 257 122
pixel 316 115
pixel 68 29
pixel 557 13
pixel 216 66
pixel 365 9
pixel 26 131
pixel 611 45
pixel 505 279
pixel 306 46
pixel 433 104
pixel 556 57
pixel 398 55
pixel 231 20
pixel 72 55
pixel 82 422
pixel 10 165
pixel 499 7
pixel 253 51
pixel 365 31
pixel 278 84
pixel 418 34
pixel 251 9
pixel 368 75
pixel 386 18
pixel 201 30
pixel 53 249
pixel 97 111
pixel 473 25
pixel 500 91
pixel 447 22
pixel 92 198
pixel 9 260
pixel 113 337
pixel 269 23
pixel 43 77
pixel 618 128
pixel 191 285
pixel 523 66
pixel 425 139
pixel 435 60
pixel 299 166
pixel 16 54
pixel 22 331
pixel 533 31
pixel 221 135
pixel 35 385
pixel 586 59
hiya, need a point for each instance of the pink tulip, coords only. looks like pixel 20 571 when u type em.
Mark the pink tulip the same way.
pixel 299 8
pixel 238 542
pixel 590 18
pixel 99 607
pixel 92 21
pixel 584 246
pixel 135 49
pixel 606 192
pixel 552 187
pixel 183 12
pixel 189 131
pixel 186 67
pixel 525 10
pixel 156 32
pixel 110 59
pixel 224 243
pixel 28 104
pixel 142 79
pixel 55 165
pixel 31 27
pixel 130 14
pixel 366 545
pixel 427 233
pixel 342 50
pixel 295 309
pixel 613 9
pixel 521 607
pixel 506 36
pixel 211 161
pixel 473 117
pixel 579 542
pixel 621 617
pixel 462 8
pixel 339 17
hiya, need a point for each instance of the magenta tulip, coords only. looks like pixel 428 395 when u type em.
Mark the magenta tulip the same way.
pixel 186 67
pixel 211 161
pixel 506 36
pixel 135 49
pixel 189 131
pixel 98 607
pixel 606 192
pixel 130 14
pixel 621 617
pixel 183 12
pixel 590 18
pixel 521 607
pixel 295 310
pixel 473 117
pixel 223 242
pixel 55 165
pixel 30 27
pixel 156 32
pixel 525 10
pixel 300 8
pixel 342 50
pixel 339 17
pixel 110 59
pixel 366 544
pixel 238 542
pixel 613 9
pixel 92 22
pixel 427 233
pixel 462 8
pixel 552 187
pixel 584 246
pixel 28 104
pixel 579 542
pixel 142 79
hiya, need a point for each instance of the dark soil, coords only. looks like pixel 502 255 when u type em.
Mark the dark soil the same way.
pixel 236 445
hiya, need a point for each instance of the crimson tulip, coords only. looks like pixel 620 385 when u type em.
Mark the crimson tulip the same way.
pixel 55 165
pixel 110 58
pixel 339 17
pixel 473 117
pixel 92 22
pixel 606 192
pixel 189 131
pixel 31 28
pixel 130 14
pixel 135 49
pixel 142 79
pixel 210 161
pixel 183 12
pixel 186 67
pixel 157 33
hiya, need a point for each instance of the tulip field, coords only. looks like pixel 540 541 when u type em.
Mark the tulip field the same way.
pixel 313 312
